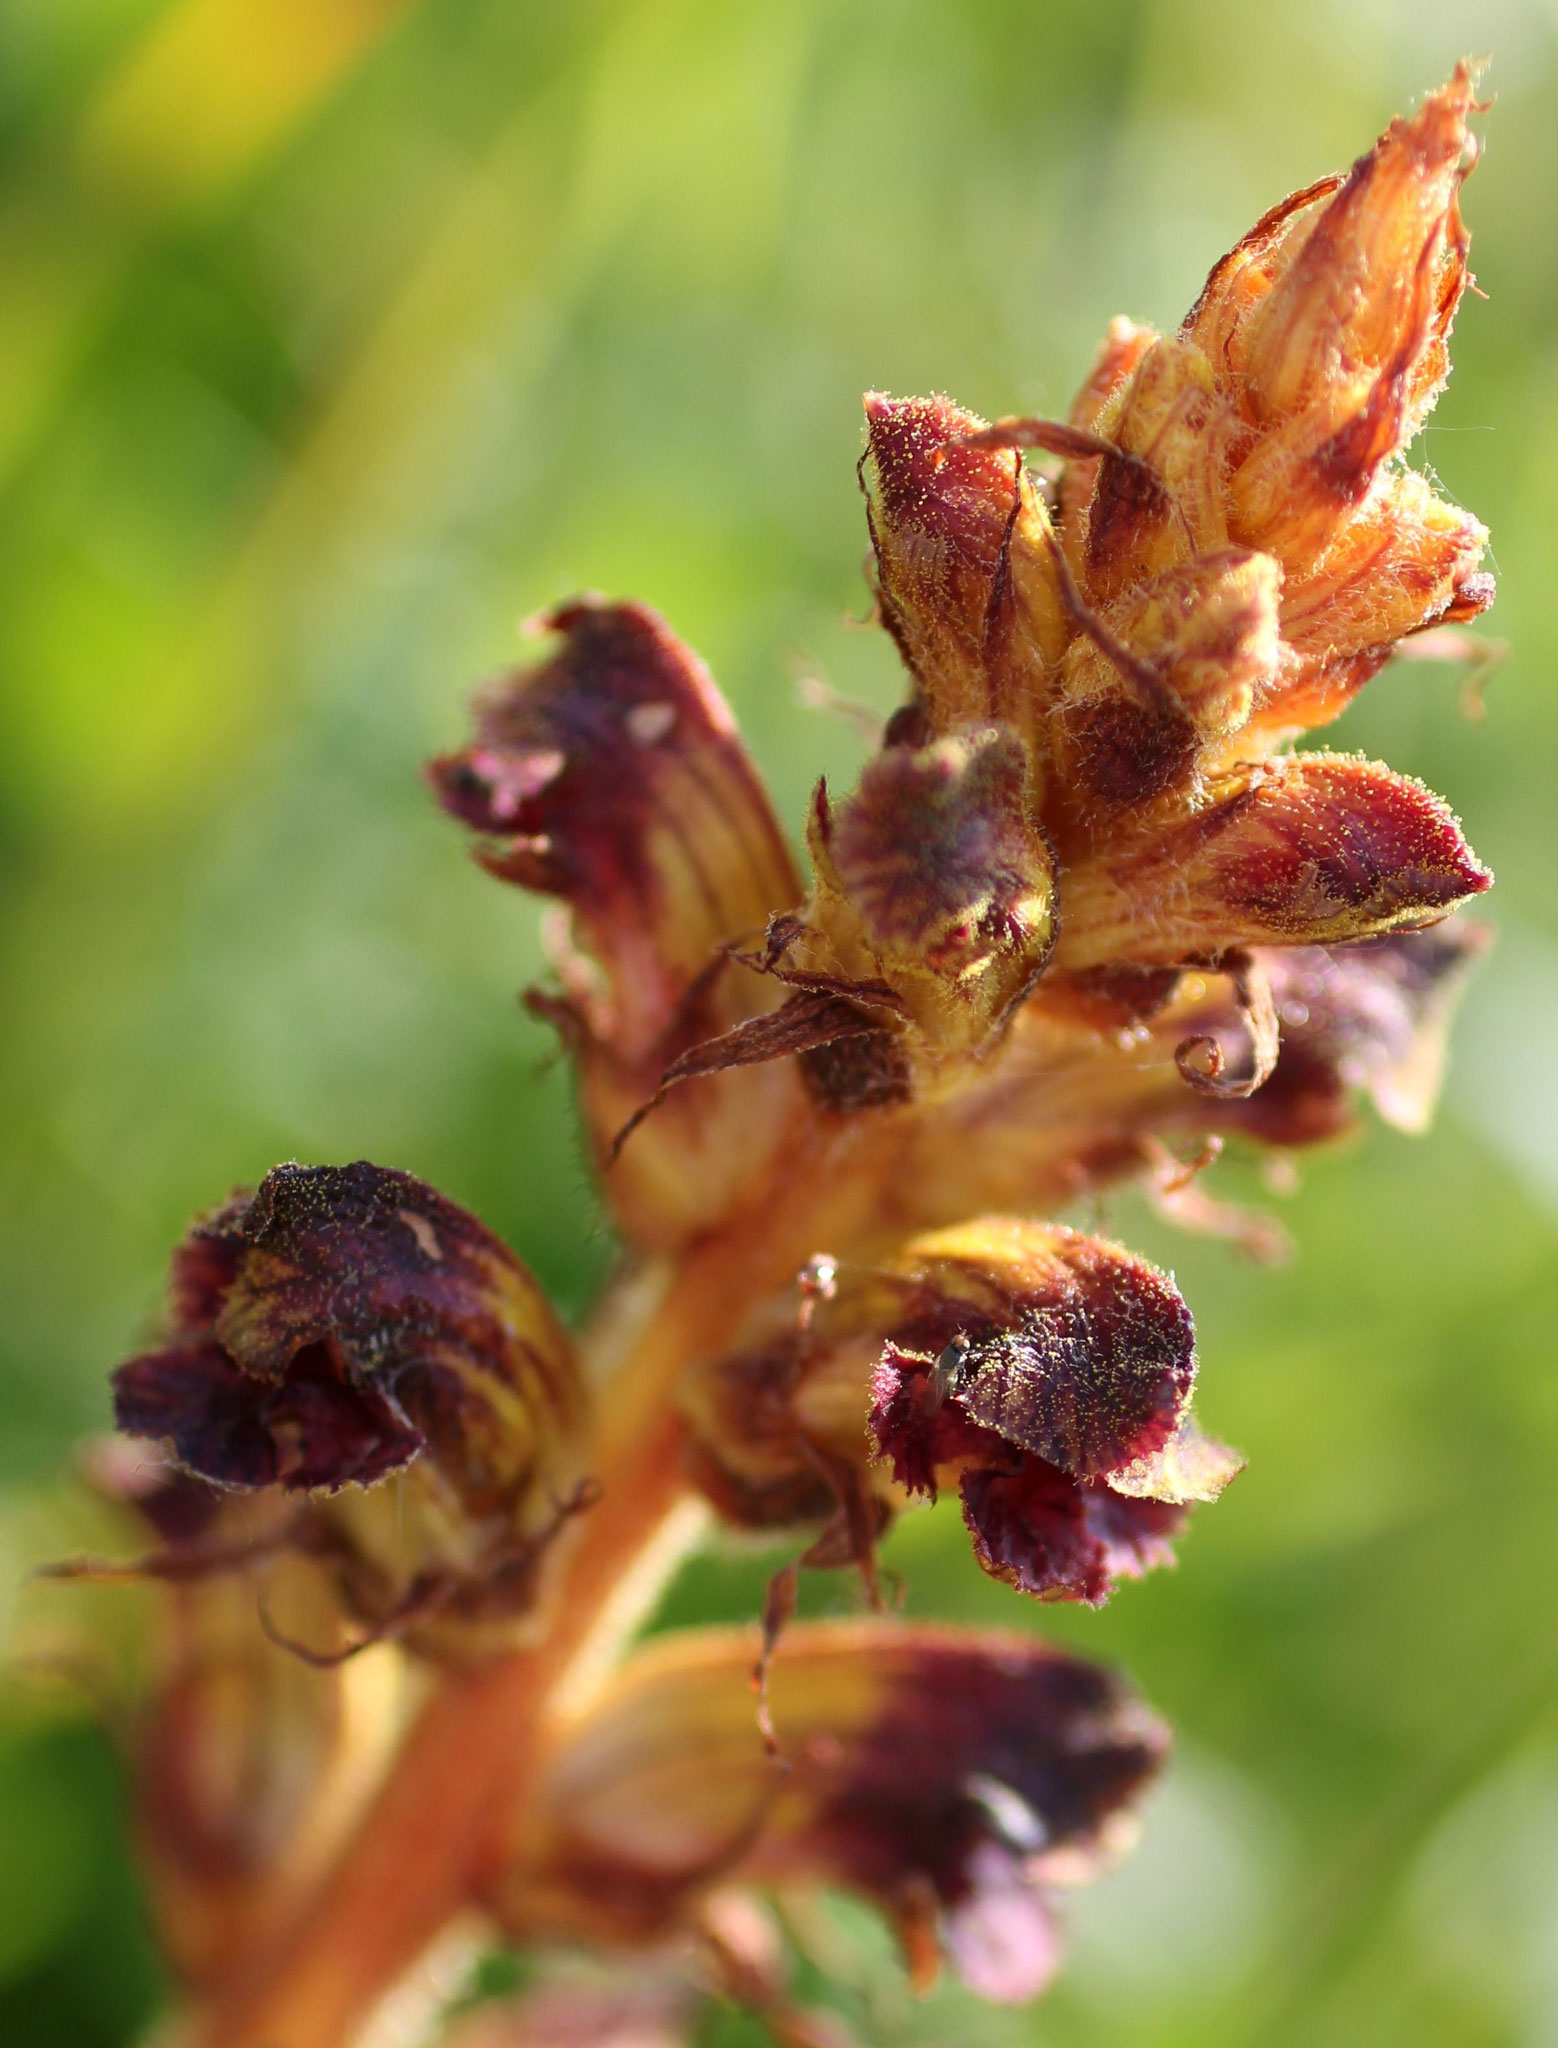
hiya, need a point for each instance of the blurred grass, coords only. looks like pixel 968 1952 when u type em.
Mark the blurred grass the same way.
pixel 334 338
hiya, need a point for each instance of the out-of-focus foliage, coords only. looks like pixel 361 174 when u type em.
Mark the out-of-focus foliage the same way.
pixel 337 335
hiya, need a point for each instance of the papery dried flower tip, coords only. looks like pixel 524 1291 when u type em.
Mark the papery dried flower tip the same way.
pixel 346 1323
pixel 1343 353
pixel 949 1777
pixel 612 776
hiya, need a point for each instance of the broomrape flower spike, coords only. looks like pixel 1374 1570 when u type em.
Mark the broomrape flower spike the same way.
pixel 1084 918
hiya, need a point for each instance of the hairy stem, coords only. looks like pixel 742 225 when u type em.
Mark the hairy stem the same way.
pixel 447 1808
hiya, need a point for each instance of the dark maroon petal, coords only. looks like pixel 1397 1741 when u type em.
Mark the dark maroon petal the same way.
pixel 1098 1369
pixel 974 1749
pixel 372 1259
pixel 315 1430
pixel 947 1776
pixel 1134 1533
pixel 340 1321
pixel 205 1267
pixel 1031 1528
pixel 916 1428
pixel 613 776
pixel 209 1411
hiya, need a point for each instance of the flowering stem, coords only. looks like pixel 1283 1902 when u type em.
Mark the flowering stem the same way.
pixel 447 1808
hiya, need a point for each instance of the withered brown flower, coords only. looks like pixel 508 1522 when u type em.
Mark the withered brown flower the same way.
pixel 952 1780
pixel 343 1324
pixel 614 778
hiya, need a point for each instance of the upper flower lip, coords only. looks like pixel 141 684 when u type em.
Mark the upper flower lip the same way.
pixel 616 776
pixel 1045 1373
pixel 611 775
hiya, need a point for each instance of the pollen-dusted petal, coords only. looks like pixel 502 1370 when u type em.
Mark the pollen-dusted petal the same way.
pixel 1202 639
pixel 921 1435
pixel 346 1322
pixel 1315 849
pixel 1014 1338
pixel 613 776
pixel 937 874
pixel 965 577
pixel 969 1355
pixel 937 1772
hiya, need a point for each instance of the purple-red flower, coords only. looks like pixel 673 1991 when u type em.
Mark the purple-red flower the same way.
pixel 951 1779
pixel 1083 918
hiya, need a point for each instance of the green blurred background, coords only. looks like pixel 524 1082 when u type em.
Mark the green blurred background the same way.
pixel 338 335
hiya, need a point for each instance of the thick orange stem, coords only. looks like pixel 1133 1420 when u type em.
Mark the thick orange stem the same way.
pixel 447 1809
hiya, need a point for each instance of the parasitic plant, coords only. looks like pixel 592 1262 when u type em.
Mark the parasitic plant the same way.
pixel 1087 914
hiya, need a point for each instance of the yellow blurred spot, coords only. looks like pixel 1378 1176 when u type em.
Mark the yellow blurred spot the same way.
pixel 215 83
